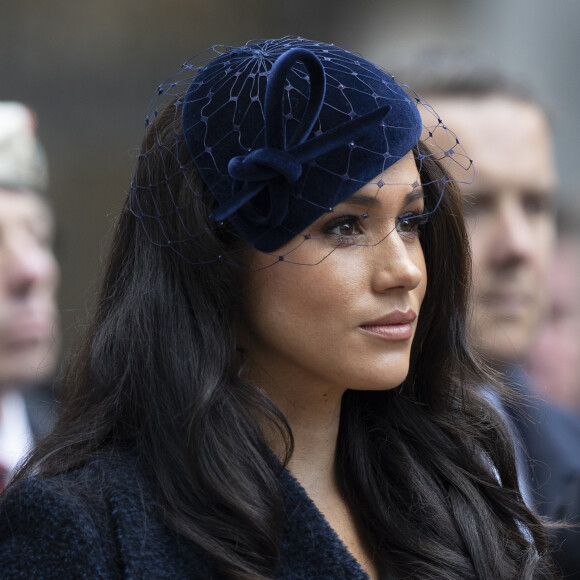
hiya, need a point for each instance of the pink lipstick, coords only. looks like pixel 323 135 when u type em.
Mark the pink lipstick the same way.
pixel 397 325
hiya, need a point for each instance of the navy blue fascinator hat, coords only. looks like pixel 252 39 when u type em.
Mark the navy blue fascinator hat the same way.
pixel 280 131
pixel 283 130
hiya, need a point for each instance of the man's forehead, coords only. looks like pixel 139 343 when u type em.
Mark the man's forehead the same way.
pixel 491 189
pixel 509 140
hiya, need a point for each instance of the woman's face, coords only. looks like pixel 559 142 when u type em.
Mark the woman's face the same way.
pixel 349 321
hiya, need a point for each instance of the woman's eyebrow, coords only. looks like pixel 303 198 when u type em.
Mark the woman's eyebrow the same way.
pixel 417 193
pixel 363 200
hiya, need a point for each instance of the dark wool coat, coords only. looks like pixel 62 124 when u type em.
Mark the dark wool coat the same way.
pixel 100 522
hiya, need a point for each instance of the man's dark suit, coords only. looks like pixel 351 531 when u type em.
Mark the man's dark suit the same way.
pixel 551 440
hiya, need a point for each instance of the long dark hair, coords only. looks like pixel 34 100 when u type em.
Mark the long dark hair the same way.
pixel 428 468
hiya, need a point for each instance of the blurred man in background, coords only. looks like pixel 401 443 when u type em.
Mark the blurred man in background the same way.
pixel 509 215
pixel 29 277
pixel 554 360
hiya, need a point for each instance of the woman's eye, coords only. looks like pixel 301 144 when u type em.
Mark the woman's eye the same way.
pixel 411 223
pixel 344 227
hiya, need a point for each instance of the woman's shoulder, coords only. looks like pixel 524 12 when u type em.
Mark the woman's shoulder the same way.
pixel 99 519
pixel 56 525
pixel 83 496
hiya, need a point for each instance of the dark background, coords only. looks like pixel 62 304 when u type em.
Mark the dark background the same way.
pixel 89 68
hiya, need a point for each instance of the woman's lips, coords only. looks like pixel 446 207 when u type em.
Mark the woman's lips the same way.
pixel 397 325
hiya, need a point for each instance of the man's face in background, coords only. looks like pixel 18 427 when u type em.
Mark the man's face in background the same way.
pixel 29 277
pixel 509 218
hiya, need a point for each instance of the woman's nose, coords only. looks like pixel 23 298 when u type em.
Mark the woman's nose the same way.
pixel 397 263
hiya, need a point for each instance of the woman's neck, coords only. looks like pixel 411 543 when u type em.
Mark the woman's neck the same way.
pixel 312 409
pixel 314 419
pixel 314 426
